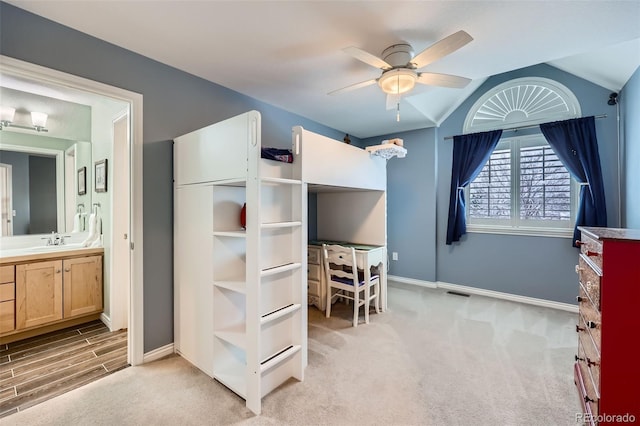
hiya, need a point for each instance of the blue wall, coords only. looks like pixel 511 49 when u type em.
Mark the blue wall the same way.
pixel 411 200
pixel 175 103
pixel 540 267
pixel 630 119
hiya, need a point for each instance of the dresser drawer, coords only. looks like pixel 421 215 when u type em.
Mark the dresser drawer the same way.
pixel 586 305
pixel 7 316
pixel 313 288
pixel 7 292
pixel 313 272
pixel 313 255
pixel 590 281
pixel 7 274
pixel 590 358
pixel 589 331
pixel 587 397
pixel 592 249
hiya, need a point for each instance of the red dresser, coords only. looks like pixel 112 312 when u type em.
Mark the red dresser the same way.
pixel 607 373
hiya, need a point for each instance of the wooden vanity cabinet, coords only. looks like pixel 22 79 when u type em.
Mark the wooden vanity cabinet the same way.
pixel 38 293
pixel 82 286
pixel 7 299
pixel 57 289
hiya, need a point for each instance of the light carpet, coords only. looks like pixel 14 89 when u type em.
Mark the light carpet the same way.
pixel 432 359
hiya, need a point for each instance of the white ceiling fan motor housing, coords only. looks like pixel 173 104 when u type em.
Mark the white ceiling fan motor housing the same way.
pixel 398 55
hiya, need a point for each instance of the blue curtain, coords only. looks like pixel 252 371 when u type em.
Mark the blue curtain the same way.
pixel 470 153
pixel 574 142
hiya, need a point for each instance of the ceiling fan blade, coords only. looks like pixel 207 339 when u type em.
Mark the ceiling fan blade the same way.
pixel 367 57
pixel 443 80
pixel 441 48
pixel 353 87
pixel 393 100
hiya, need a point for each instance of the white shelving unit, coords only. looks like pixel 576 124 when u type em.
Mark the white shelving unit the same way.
pixel 240 295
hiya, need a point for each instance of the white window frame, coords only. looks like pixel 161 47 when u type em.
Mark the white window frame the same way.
pixel 515 225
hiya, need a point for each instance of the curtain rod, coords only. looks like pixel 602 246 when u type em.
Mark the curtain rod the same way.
pixel 515 129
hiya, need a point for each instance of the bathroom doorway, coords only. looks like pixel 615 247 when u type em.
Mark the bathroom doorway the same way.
pixel 127 256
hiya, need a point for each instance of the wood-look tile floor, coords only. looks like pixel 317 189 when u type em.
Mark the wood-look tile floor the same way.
pixel 42 367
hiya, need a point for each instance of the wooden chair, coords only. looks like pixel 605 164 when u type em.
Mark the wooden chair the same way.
pixel 341 269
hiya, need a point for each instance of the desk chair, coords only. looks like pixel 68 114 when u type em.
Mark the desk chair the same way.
pixel 341 269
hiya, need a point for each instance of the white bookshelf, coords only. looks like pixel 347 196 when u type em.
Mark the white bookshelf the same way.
pixel 250 332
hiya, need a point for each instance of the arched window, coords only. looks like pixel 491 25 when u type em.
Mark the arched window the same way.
pixel 522 102
pixel 523 188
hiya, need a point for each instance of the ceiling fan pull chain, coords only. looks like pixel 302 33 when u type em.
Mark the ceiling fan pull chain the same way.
pixel 398 111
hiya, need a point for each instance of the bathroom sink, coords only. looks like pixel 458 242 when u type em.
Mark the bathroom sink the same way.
pixel 62 247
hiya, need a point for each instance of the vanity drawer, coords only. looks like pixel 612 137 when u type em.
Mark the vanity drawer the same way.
pixel 7 316
pixel 7 274
pixel 313 287
pixel 7 292
pixel 313 272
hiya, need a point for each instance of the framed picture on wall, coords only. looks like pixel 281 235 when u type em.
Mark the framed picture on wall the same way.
pixel 101 175
pixel 82 181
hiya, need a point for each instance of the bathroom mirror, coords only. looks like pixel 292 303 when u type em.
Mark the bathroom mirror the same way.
pixel 39 183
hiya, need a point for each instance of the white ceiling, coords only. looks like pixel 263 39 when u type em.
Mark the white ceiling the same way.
pixel 289 53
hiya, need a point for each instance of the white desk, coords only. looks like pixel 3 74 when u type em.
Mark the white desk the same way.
pixel 366 257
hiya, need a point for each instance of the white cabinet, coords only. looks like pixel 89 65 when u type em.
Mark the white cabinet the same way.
pixel 240 315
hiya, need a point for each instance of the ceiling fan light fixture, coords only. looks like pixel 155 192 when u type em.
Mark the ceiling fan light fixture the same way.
pixel 398 81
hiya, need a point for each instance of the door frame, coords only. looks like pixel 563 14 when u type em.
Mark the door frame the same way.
pixel 18 68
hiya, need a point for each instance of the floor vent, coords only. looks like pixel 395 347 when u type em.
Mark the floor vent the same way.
pixel 456 293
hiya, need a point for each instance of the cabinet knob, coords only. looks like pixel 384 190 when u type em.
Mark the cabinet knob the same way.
pixel 590 363
pixel 57 271
pixel 578 358
pixel 579 243
pixel 592 253
pixel 592 324
pixel 578 269
pixel 67 269
pixel 579 299
pixel 579 329
pixel 587 399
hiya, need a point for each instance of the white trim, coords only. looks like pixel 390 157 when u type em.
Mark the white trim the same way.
pixel 31 71
pixel 412 281
pixel 106 320
pixel 488 293
pixel 161 352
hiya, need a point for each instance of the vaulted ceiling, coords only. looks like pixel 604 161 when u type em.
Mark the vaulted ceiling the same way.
pixel 290 53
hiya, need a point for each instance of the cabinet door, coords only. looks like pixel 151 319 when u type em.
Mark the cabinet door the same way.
pixel 82 286
pixel 38 293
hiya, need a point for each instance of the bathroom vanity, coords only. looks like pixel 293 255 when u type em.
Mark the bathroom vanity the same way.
pixel 49 288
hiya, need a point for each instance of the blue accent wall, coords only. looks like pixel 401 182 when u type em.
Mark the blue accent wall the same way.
pixel 175 103
pixel 411 201
pixel 630 122
pixel 418 200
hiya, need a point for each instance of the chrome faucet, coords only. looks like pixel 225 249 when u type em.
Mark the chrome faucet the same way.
pixel 55 239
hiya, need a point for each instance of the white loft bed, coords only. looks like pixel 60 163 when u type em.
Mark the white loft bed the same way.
pixel 230 283
pixel 351 188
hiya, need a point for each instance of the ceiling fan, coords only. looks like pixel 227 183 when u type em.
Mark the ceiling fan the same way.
pixel 400 69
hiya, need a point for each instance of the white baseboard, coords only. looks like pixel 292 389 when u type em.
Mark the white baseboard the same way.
pixel 412 281
pixel 158 353
pixel 106 321
pixel 488 293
